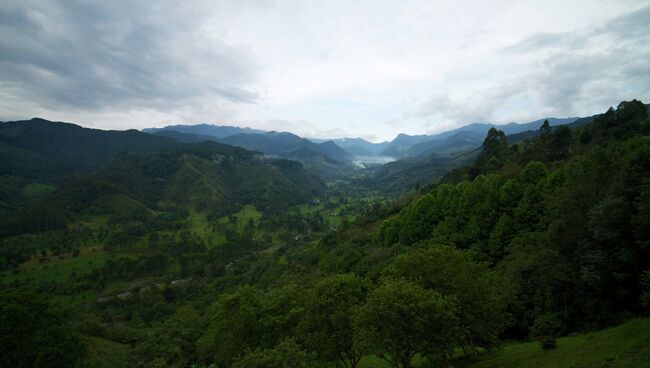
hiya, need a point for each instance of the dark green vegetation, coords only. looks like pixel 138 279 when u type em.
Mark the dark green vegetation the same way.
pixel 406 174
pixel 207 255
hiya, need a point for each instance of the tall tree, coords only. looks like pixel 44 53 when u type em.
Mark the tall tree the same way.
pixel 494 151
pixel 453 274
pixel 327 324
pixel 234 326
pixel 401 319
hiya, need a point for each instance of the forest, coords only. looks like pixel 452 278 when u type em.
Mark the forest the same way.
pixel 158 253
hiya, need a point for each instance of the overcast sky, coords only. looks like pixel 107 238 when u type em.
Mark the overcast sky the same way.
pixel 320 68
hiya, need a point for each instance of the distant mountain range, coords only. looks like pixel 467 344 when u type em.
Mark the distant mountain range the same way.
pixel 457 140
pixel 283 144
pixel 38 154
pixel 205 130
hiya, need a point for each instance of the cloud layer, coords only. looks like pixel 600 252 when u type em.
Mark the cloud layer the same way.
pixel 367 68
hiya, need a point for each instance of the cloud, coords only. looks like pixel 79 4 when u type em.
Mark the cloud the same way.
pixel 596 66
pixel 357 68
pixel 118 55
pixel 580 71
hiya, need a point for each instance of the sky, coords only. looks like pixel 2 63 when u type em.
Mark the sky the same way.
pixel 323 69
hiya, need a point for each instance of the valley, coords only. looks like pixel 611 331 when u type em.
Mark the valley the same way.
pixel 207 246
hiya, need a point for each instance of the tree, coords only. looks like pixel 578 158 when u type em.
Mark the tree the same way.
pixel 234 326
pixel 540 281
pixel 327 324
pixel 500 237
pixel 533 172
pixel 172 342
pixel 33 333
pixel 560 143
pixel 628 110
pixel 545 128
pixel 453 274
pixel 282 310
pixel 494 151
pixel 401 319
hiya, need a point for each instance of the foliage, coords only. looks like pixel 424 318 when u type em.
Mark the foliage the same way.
pixel 234 326
pixel 401 319
pixel 34 333
pixel 327 324
pixel 207 254
pixel 478 291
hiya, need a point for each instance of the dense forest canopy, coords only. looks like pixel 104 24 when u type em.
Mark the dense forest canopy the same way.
pixel 201 254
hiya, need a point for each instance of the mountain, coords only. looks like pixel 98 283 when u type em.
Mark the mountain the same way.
pixel 40 155
pixel 271 143
pixel 321 164
pixel 409 173
pixel 281 143
pixel 333 151
pixel 455 140
pixel 184 137
pixel 356 146
pixel 207 175
pixel 201 177
pixel 166 251
pixel 48 151
pixel 399 146
pixel 404 145
pixel 208 130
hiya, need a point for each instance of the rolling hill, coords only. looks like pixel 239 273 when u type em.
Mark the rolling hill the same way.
pixel 48 151
pixel 455 140
pixel 207 130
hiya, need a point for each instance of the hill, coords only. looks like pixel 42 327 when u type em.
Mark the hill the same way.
pixel 537 240
pixel 359 146
pixel 47 151
pixel 406 174
pixel 198 177
pixel 464 138
pixel 207 130
pixel 321 164
pixel 279 143
pixel 271 143
pixel 622 346
pixel 184 137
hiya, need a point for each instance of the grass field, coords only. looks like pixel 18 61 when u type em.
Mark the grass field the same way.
pixel 34 190
pixel 58 270
pixel 627 345
pixel 249 212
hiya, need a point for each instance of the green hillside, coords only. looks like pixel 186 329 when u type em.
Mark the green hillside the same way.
pixel 49 151
pixel 207 255
pixel 627 345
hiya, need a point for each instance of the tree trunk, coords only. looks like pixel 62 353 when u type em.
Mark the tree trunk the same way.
pixel 471 343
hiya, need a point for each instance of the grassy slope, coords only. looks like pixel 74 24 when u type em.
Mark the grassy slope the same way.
pixel 627 345
pixel 58 269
